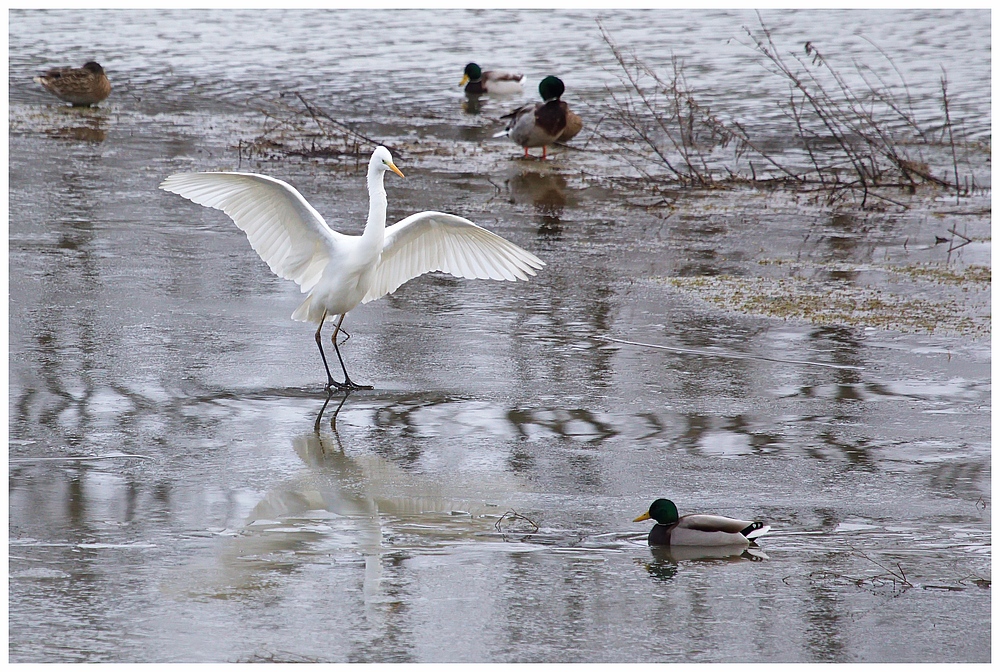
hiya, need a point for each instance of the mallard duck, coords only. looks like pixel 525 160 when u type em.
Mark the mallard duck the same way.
pixel 541 124
pixel 698 529
pixel 80 86
pixel 501 82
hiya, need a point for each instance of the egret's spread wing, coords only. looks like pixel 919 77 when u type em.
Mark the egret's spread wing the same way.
pixel 287 232
pixel 436 241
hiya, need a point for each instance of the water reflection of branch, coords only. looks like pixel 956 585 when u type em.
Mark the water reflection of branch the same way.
pixel 513 516
pixel 951 241
pixel 894 575
pixel 896 578
pixel 279 656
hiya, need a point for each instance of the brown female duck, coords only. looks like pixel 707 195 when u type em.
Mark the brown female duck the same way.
pixel 79 86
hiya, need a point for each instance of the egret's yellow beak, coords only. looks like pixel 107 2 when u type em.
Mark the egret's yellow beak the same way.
pixel 465 80
pixel 393 168
pixel 641 518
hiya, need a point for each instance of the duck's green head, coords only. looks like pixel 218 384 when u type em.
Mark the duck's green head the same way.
pixel 473 73
pixel 551 88
pixel 662 511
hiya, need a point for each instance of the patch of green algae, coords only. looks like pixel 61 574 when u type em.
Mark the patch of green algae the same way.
pixel 972 275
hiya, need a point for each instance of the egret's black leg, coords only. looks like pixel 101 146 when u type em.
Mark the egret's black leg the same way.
pixel 333 420
pixel 330 382
pixel 319 418
pixel 348 383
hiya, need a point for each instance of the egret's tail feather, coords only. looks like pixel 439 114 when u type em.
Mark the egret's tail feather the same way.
pixel 301 313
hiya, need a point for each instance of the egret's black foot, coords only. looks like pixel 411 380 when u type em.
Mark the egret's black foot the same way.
pixel 347 386
pixel 351 385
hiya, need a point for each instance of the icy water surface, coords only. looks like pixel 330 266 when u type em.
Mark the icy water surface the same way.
pixel 176 494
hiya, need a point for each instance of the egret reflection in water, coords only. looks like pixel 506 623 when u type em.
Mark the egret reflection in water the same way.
pixel 344 502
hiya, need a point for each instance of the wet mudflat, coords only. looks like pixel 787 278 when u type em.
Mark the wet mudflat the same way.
pixel 176 494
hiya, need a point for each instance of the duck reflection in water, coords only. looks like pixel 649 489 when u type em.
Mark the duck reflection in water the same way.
pixel 546 192
pixel 81 125
pixel 472 104
pixel 667 559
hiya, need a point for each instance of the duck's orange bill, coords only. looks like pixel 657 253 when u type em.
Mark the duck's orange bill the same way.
pixel 465 80
pixel 641 518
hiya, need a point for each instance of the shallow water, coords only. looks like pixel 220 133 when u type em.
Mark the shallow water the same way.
pixel 175 496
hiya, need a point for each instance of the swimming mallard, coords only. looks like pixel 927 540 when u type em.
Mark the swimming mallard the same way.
pixel 501 82
pixel 80 86
pixel 698 529
pixel 541 124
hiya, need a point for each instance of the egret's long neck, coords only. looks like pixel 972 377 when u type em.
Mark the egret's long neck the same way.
pixel 375 228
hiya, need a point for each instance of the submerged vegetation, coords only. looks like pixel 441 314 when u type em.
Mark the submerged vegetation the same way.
pixel 828 301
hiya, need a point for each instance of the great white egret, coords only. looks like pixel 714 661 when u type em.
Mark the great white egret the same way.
pixel 541 124
pixel 80 86
pixel 698 529
pixel 340 271
pixel 476 81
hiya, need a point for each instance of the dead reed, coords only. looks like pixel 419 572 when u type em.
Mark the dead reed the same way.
pixel 855 141
pixel 294 126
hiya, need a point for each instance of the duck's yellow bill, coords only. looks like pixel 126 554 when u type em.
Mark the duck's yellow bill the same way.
pixel 641 518
pixel 465 80
pixel 393 168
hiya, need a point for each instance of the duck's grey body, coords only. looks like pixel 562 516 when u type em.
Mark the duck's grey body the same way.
pixel 537 125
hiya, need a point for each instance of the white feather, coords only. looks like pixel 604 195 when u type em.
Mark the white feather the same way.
pixel 340 271
pixel 288 234
pixel 436 241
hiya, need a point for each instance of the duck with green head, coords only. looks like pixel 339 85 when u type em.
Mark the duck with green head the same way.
pixel 698 529
pixel 501 82
pixel 541 124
